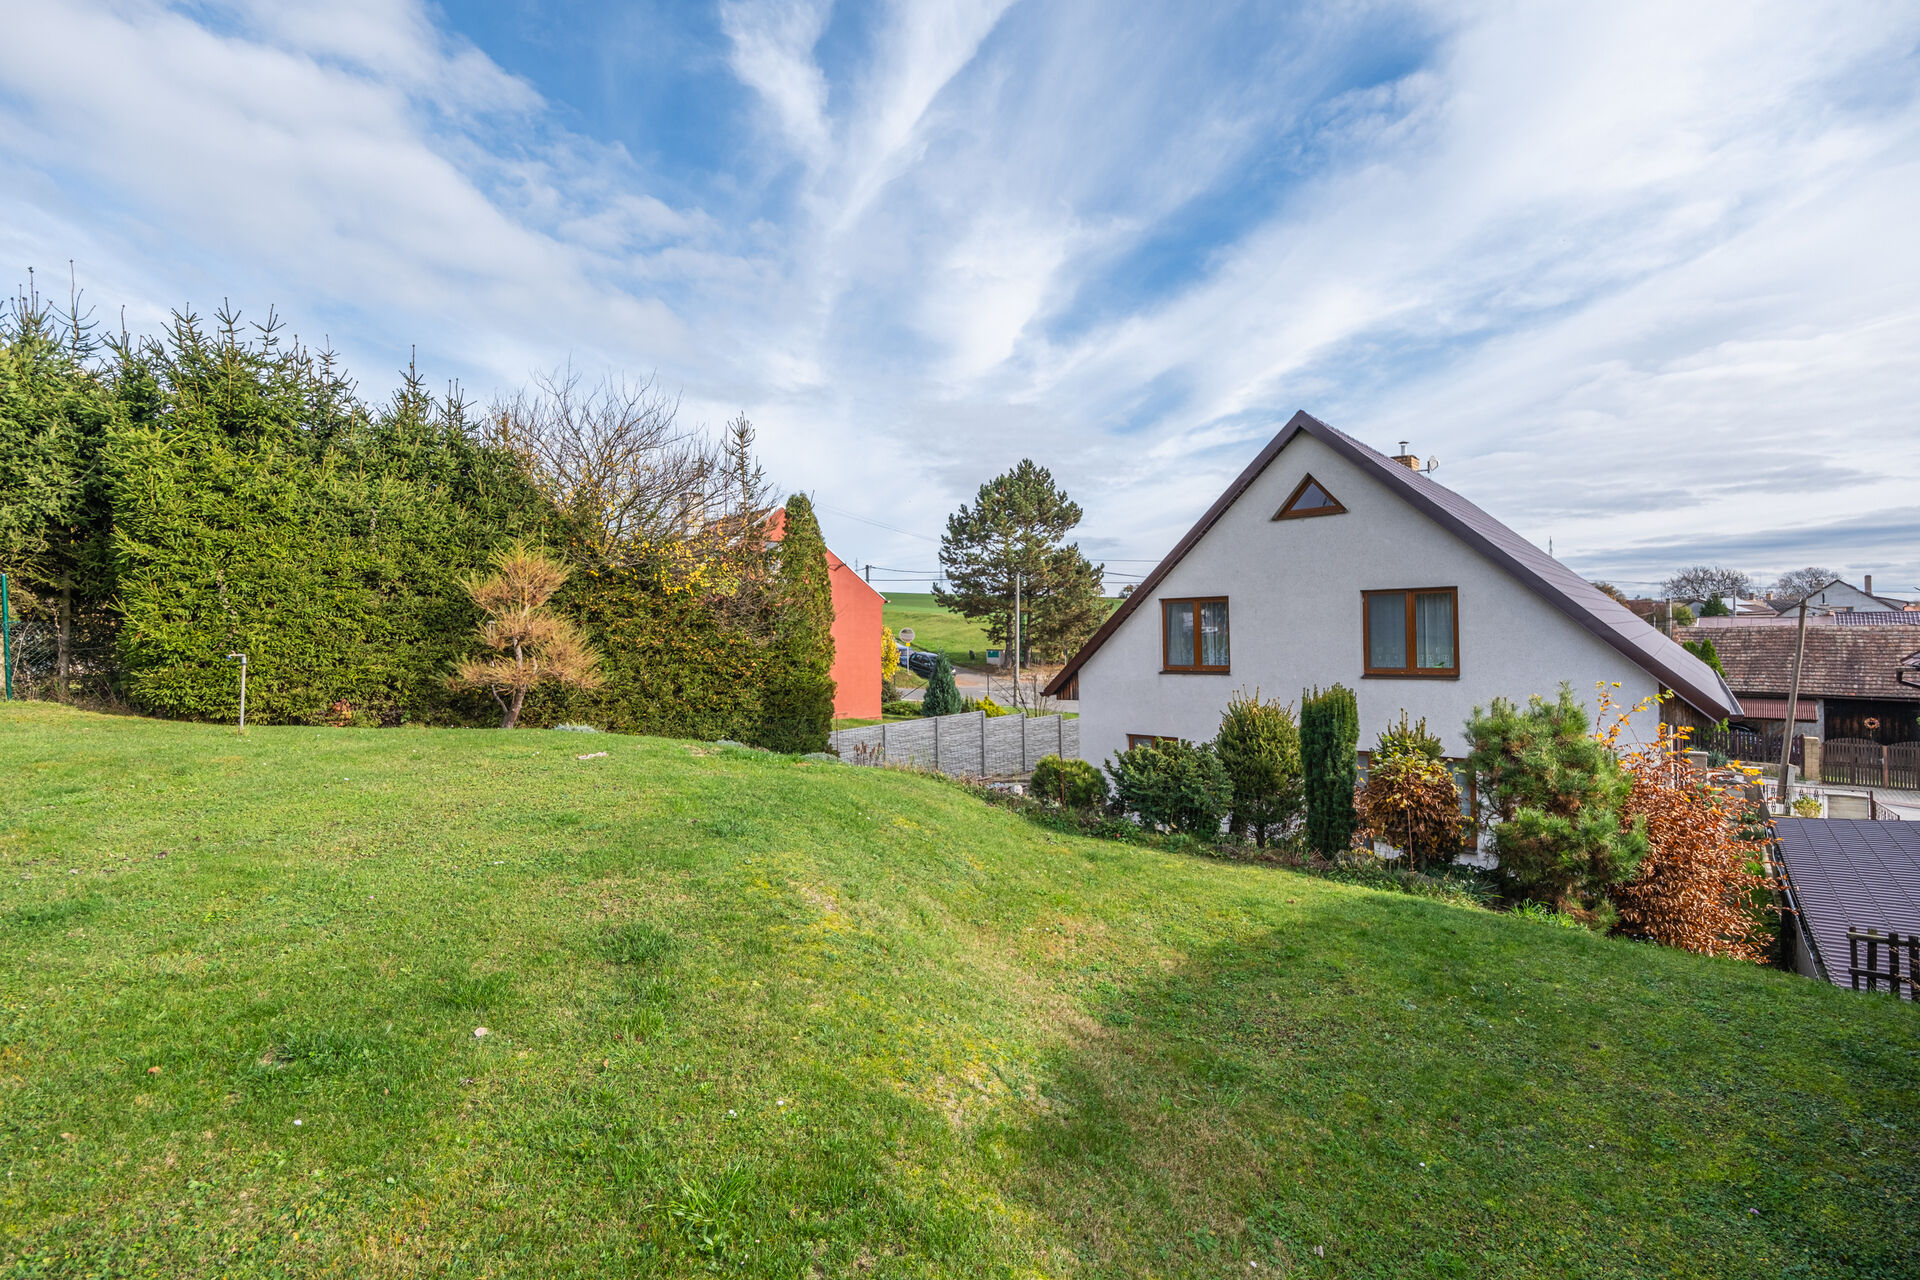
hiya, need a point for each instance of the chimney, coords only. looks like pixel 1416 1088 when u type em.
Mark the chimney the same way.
pixel 1405 459
pixel 1869 587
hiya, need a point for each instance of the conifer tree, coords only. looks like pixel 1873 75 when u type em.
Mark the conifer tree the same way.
pixel 529 644
pixel 1329 738
pixel 943 695
pixel 1259 746
pixel 797 698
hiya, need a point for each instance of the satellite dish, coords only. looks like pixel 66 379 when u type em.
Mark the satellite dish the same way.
pixel 1433 465
pixel 906 635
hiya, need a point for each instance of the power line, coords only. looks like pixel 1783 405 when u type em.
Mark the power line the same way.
pixel 875 523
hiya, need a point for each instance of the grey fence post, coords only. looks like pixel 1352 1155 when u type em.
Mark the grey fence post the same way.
pixel 983 742
pixel 883 742
pixel 936 743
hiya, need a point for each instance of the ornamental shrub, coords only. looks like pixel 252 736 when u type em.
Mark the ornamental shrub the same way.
pixel 1259 747
pixel 889 657
pixel 942 697
pixel 1704 650
pixel 1072 784
pixel 1329 743
pixel 1557 792
pixel 1410 799
pixel 1173 786
pixel 1702 886
pixel 899 707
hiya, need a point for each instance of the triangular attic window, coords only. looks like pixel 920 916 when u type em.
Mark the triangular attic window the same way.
pixel 1309 499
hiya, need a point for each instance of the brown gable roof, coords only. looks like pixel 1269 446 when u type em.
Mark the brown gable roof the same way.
pixel 1558 585
pixel 1841 662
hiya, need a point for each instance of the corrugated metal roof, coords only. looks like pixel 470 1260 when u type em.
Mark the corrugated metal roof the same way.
pixel 1852 874
pixel 1600 614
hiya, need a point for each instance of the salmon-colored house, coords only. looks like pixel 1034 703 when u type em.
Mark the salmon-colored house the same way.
pixel 856 634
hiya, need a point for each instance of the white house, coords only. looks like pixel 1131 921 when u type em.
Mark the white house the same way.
pixel 1841 594
pixel 1326 561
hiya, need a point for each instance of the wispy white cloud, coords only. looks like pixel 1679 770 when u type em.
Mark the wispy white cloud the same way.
pixel 1641 275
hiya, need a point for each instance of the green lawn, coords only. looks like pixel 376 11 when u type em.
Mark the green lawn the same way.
pixel 767 1017
pixel 938 630
pixel 934 628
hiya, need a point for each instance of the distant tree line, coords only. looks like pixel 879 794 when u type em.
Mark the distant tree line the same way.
pixel 221 488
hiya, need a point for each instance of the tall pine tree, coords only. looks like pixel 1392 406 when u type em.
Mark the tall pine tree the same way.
pixel 1018 525
pixel 797 697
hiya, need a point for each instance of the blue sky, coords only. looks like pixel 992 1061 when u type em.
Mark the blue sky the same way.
pixel 1644 277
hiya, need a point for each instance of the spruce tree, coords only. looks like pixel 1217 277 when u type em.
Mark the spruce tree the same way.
pixel 1259 746
pixel 796 707
pixel 943 695
pixel 1329 738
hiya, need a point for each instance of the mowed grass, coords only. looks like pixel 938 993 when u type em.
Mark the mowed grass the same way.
pixel 758 1016
pixel 939 631
pixel 935 629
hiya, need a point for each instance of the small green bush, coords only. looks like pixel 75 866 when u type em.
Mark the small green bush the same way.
pixel 899 707
pixel 1173 786
pixel 1074 784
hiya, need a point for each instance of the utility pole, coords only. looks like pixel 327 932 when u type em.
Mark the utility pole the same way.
pixel 1016 639
pixel 243 688
pixel 1793 699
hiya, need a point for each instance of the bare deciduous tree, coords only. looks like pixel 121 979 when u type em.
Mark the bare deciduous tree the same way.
pixel 1796 584
pixel 615 458
pixel 527 644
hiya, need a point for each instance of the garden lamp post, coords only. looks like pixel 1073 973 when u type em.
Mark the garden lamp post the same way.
pixel 243 688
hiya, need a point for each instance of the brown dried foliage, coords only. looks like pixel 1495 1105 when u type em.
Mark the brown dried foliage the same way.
pixel 526 643
pixel 1412 803
pixel 1703 886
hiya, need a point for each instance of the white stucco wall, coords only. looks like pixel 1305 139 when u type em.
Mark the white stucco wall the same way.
pixel 1294 587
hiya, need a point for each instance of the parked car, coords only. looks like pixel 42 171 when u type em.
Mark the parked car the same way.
pixel 922 663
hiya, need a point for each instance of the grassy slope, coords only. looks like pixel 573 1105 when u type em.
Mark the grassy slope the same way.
pixel 936 629
pixel 1000 1051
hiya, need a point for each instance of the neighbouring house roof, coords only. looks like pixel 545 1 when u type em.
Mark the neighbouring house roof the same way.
pixel 1841 662
pixel 1851 874
pixel 1786 604
pixel 1879 618
pixel 1588 606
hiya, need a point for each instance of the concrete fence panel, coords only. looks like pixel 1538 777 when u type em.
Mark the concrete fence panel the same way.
pixel 971 744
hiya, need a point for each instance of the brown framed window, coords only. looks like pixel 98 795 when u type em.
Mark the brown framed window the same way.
pixel 1193 635
pixel 1412 632
pixel 1309 498
pixel 1135 739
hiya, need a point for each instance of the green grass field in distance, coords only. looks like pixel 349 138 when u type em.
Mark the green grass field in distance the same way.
pixel 775 1018
pixel 938 630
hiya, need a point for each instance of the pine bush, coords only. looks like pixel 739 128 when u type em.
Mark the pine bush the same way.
pixel 1259 746
pixel 1558 792
pixel 1173 786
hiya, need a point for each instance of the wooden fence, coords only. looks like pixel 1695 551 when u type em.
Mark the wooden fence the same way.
pixel 972 743
pixel 1859 762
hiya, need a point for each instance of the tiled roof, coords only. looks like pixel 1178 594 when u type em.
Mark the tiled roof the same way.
pixel 1841 662
pixel 1852 874
pixel 1560 587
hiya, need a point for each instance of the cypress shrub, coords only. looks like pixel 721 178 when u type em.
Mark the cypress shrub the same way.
pixel 943 695
pixel 1329 740
pixel 796 711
